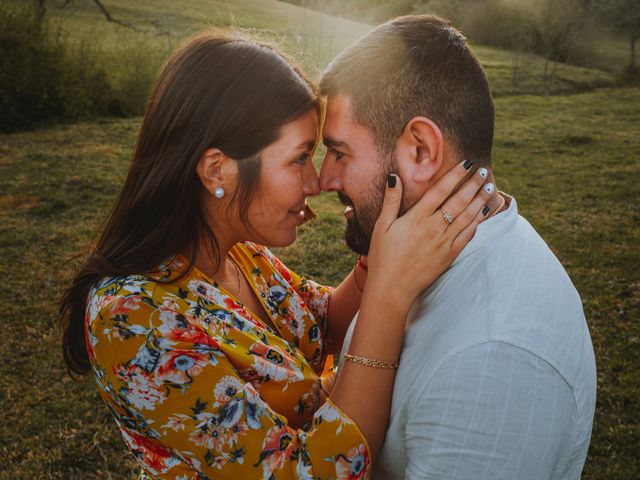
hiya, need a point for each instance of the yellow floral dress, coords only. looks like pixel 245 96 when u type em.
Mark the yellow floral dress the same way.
pixel 201 388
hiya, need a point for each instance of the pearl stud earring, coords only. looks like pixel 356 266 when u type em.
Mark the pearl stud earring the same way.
pixel 218 192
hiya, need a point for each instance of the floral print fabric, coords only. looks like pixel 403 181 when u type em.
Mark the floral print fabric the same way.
pixel 201 388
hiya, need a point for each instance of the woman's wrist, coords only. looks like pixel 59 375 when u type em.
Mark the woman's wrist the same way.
pixel 359 285
pixel 362 263
pixel 386 296
pixel 360 273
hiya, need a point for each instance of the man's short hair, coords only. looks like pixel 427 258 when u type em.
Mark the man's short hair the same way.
pixel 416 65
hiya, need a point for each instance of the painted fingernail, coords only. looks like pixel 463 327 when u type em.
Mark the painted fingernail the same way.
pixel 467 164
pixel 483 172
pixel 485 210
pixel 391 180
pixel 489 188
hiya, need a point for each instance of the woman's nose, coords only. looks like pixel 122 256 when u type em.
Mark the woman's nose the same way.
pixel 311 185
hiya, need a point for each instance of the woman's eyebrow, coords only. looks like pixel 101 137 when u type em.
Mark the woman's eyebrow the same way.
pixel 306 145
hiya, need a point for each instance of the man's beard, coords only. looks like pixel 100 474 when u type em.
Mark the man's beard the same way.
pixel 360 226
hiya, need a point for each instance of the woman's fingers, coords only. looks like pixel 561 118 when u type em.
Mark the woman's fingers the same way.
pixel 391 203
pixel 436 195
pixel 464 226
pixel 495 202
pixel 469 231
pixel 458 202
pixel 441 224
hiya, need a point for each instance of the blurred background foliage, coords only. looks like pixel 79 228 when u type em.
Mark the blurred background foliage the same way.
pixel 565 30
pixel 74 59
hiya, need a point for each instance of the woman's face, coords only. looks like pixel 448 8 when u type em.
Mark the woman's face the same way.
pixel 287 178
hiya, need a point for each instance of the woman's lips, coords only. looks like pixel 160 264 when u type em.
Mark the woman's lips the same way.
pixel 298 215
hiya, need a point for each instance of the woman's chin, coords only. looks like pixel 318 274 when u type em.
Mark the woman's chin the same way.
pixel 285 242
pixel 284 239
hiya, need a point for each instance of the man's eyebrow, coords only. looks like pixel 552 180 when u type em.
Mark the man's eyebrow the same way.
pixel 332 143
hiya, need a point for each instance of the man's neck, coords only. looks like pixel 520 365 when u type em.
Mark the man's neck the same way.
pixel 490 179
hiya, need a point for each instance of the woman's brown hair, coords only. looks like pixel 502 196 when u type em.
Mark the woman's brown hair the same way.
pixel 214 91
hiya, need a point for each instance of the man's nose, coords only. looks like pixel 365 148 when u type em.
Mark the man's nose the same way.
pixel 329 175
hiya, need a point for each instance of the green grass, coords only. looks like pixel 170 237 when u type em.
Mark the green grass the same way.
pixel 511 74
pixel 572 163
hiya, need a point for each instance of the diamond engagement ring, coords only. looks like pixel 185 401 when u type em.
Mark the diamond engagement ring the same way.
pixel 447 216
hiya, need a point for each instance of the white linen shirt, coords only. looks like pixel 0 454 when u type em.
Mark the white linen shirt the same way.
pixel 497 375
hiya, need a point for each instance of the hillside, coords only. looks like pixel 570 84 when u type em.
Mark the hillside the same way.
pixel 300 31
pixel 310 36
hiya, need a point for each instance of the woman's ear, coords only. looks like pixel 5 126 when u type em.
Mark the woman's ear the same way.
pixel 419 150
pixel 213 168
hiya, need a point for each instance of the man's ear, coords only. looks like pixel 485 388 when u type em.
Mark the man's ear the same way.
pixel 419 150
pixel 213 169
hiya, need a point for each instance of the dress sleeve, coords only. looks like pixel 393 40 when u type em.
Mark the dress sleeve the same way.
pixel 185 412
pixel 314 295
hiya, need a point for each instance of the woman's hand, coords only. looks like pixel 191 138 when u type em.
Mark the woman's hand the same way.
pixel 410 252
pixel 407 254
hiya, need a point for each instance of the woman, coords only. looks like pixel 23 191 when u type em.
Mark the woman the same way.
pixel 206 348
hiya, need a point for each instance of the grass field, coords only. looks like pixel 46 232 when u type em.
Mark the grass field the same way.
pixel 572 163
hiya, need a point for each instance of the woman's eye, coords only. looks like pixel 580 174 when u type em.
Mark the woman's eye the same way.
pixel 302 159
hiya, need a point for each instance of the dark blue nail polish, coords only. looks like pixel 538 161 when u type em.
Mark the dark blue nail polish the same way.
pixel 485 210
pixel 467 164
pixel 391 180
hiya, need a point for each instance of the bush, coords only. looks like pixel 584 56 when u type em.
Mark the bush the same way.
pixel 43 76
pixel 630 76
pixel 137 63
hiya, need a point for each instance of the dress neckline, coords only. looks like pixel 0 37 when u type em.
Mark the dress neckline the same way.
pixel 254 318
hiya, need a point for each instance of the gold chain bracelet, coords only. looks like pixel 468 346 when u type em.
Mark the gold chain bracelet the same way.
pixel 370 362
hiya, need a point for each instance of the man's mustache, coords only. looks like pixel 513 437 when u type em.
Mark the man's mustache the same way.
pixel 345 199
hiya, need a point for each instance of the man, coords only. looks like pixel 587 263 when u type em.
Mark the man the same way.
pixel 497 375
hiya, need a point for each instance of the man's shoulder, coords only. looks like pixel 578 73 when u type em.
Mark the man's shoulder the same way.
pixel 511 290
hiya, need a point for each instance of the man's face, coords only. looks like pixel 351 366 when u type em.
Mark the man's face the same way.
pixel 355 169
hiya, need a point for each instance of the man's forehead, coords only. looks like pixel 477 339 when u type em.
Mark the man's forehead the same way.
pixel 339 124
pixel 339 108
